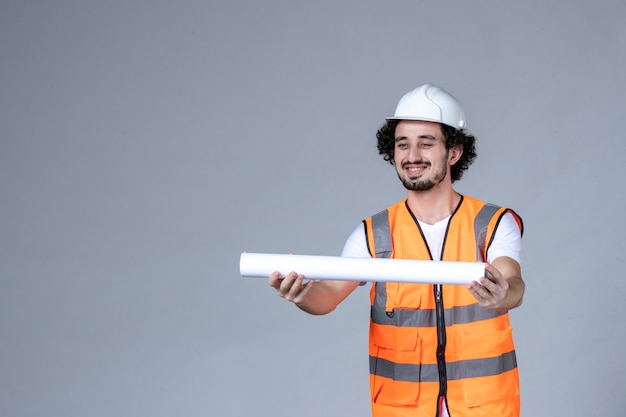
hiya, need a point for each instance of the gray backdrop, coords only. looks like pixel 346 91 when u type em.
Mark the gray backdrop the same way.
pixel 144 145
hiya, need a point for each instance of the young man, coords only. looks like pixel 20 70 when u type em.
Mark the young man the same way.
pixel 435 350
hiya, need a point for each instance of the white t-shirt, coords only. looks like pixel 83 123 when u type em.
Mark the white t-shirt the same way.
pixel 506 242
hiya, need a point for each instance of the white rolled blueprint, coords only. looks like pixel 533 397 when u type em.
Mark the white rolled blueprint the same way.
pixel 339 268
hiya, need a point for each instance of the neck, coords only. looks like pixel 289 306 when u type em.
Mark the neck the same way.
pixel 433 205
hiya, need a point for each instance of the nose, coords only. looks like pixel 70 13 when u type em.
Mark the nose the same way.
pixel 414 153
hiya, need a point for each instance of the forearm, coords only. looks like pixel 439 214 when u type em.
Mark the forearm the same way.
pixel 325 296
pixel 514 296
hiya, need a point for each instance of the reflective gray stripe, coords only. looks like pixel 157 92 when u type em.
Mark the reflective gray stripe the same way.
pixel 481 223
pixel 403 372
pixel 382 234
pixel 426 317
pixel 454 370
pixel 382 248
pixel 402 317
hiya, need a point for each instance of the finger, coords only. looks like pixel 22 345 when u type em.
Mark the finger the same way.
pixel 483 291
pixel 492 273
pixel 488 284
pixel 275 279
pixel 482 295
pixel 473 288
pixel 296 287
pixel 286 283
pixel 306 288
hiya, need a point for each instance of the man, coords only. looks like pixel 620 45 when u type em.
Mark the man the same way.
pixel 435 350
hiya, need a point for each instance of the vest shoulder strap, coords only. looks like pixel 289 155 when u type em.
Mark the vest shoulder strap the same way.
pixel 381 235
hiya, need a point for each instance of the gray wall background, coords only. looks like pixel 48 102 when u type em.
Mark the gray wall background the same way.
pixel 144 145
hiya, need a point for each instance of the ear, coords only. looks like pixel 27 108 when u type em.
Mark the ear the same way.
pixel 454 154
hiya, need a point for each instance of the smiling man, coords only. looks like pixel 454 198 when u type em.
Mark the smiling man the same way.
pixel 434 350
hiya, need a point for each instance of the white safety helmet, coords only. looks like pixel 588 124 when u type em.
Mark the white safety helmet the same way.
pixel 432 104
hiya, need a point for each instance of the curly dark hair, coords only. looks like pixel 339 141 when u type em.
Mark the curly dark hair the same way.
pixel 386 136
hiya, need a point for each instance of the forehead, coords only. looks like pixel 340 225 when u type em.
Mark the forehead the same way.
pixel 417 128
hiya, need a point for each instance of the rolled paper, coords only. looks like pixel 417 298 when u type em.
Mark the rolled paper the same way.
pixel 261 265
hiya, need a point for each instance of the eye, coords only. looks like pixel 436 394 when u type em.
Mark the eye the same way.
pixel 401 145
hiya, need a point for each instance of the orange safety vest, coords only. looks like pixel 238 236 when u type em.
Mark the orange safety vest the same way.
pixel 429 342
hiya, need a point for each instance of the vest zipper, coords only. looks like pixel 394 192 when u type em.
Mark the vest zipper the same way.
pixel 441 346
pixel 441 323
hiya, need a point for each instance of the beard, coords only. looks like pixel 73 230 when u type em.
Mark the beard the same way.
pixel 416 184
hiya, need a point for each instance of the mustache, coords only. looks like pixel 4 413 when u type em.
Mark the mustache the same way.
pixel 420 162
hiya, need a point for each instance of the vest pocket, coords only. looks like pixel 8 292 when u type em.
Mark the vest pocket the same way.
pixel 492 376
pixel 394 365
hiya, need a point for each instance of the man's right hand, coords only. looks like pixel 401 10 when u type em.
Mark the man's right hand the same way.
pixel 291 287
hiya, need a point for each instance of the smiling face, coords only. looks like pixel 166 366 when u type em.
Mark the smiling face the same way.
pixel 421 157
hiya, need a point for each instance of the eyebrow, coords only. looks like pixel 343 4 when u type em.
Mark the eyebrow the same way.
pixel 430 137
